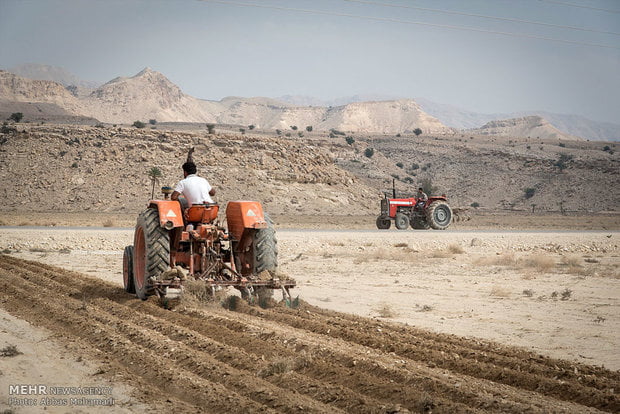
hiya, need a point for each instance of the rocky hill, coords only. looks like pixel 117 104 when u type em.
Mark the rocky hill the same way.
pixel 80 168
pixel 575 125
pixel 150 95
pixel 74 168
pixel 525 127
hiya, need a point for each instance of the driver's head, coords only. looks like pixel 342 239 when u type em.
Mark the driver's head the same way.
pixel 189 168
pixel 420 189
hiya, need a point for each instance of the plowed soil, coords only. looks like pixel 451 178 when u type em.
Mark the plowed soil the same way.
pixel 207 358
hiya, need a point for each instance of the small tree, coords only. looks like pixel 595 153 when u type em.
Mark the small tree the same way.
pixel 16 116
pixel 294 127
pixel 529 192
pixel 279 132
pixel 242 130
pixel 152 121
pixel 475 204
pixel 427 186
pixel 369 152
pixel 139 124
pixel 154 174
pixel 350 140
pixel 417 131
pixel 251 127
pixel 211 128
pixel 309 128
pixel 562 162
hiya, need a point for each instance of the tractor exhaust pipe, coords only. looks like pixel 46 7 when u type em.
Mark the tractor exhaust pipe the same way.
pixel 393 188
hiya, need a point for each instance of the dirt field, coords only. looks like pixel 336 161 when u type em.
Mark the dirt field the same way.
pixel 553 293
pixel 282 360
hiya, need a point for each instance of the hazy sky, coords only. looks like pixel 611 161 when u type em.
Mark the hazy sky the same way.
pixel 212 50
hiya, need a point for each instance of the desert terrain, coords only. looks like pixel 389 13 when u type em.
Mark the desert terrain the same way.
pixel 452 321
pixel 514 308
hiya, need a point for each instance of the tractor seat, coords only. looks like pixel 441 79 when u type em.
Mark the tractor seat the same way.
pixel 201 213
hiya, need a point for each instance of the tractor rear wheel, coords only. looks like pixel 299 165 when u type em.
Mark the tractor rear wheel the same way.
pixel 401 221
pixel 383 223
pixel 439 215
pixel 128 270
pixel 265 256
pixel 151 251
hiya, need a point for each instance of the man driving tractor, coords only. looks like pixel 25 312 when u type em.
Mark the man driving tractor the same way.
pixel 195 189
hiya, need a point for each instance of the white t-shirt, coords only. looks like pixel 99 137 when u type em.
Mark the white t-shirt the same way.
pixel 195 189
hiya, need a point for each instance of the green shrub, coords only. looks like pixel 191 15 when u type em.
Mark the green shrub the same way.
pixel 211 128
pixel 251 127
pixel 400 165
pixel 562 162
pixel 309 128
pixel 529 192
pixel 152 121
pixel 350 140
pixel 369 152
pixel 417 131
pixel 427 186
pixel 475 204
pixel 16 116
pixel 139 124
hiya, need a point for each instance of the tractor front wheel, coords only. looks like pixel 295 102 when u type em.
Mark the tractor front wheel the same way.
pixel 439 215
pixel 383 223
pixel 151 251
pixel 401 221
pixel 128 270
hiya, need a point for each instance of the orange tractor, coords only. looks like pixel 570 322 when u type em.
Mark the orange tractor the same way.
pixel 172 244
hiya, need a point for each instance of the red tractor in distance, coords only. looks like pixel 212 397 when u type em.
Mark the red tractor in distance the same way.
pixel 435 213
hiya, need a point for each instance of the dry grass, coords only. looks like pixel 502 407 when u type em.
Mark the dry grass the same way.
pixel 425 308
pixel 501 259
pixel 571 261
pixel 401 245
pixel 448 251
pixel 385 310
pixel 9 351
pixel 440 254
pixel 499 292
pixel 537 261
pixel 390 254
pixel 455 249
pixel 108 223
pixel 276 367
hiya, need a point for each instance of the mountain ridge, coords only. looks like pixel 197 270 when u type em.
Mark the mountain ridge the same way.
pixel 150 95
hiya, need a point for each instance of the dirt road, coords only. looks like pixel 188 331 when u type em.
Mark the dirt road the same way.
pixel 202 357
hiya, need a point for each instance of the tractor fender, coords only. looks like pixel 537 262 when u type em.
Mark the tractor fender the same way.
pixel 170 215
pixel 241 215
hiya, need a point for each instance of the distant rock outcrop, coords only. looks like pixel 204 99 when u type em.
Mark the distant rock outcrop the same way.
pixel 525 127
pixel 57 74
pixel 150 95
pixel 147 95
